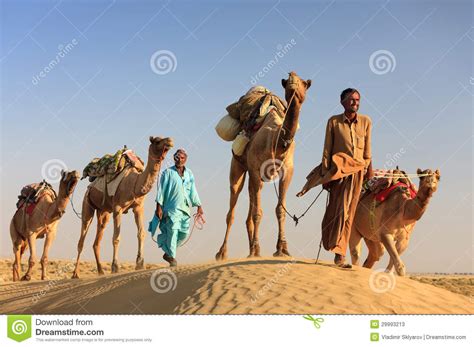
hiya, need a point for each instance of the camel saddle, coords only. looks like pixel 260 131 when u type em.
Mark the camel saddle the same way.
pixel 252 108
pixel 111 165
pixel 385 182
pixel 32 193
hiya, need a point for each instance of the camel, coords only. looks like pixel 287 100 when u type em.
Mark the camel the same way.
pixel 262 163
pixel 392 223
pixel 130 194
pixel 42 222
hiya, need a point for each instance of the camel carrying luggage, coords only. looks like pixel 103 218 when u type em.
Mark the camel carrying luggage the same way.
pixel 31 193
pixel 111 165
pixel 247 115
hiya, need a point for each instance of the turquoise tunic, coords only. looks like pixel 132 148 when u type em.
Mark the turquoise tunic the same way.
pixel 176 195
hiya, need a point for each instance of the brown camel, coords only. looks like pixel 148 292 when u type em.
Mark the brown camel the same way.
pixel 43 221
pixel 262 163
pixel 390 224
pixel 130 194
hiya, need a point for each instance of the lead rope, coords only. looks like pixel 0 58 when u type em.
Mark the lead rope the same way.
pixel 199 222
pixel 79 215
pixel 295 219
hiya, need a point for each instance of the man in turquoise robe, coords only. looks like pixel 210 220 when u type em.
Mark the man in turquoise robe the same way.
pixel 176 196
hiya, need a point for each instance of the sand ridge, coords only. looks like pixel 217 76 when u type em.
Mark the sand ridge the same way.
pixel 240 286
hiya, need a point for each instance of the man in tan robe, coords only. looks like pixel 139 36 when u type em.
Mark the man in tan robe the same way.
pixel 348 133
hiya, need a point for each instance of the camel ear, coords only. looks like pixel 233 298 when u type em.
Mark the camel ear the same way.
pixel 419 171
pixel 438 175
pixel 308 84
pixel 63 174
pixel 151 139
pixel 283 82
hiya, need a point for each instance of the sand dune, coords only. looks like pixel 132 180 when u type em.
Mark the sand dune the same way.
pixel 242 286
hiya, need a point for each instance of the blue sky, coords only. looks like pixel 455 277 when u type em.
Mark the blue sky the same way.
pixel 103 93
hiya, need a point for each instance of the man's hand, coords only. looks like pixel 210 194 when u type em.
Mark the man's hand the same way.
pixel 370 172
pixel 327 186
pixel 159 211
pixel 200 211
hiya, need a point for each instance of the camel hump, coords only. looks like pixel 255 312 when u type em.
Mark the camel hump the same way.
pixel 32 193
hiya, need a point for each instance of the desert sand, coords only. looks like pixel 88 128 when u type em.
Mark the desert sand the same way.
pixel 240 286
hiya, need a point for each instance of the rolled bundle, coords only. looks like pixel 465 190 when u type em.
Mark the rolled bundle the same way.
pixel 228 128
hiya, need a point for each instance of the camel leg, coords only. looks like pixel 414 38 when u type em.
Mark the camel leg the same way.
pixel 102 220
pixel 389 243
pixel 17 247
pixel 250 226
pixel 255 201
pixel 376 250
pixel 32 260
pixel 17 262
pixel 50 236
pixel 138 213
pixel 401 246
pixel 355 245
pixel 87 216
pixel 116 239
pixel 282 246
pixel 236 180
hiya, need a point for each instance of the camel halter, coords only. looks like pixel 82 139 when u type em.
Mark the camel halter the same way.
pixel 296 219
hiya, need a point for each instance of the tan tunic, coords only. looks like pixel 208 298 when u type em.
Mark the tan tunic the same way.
pixel 346 137
pixel 353 139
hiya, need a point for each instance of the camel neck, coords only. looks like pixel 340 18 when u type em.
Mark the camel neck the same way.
pixel 57 207
pixel 290 124
pixel 147 178
pixel 416 207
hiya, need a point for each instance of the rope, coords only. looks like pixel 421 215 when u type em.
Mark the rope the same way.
pixel 79 215
pixel 402 175
pixel 199 222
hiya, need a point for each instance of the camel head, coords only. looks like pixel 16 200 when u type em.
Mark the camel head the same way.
pixel 68 181
pixel 428 180
pixel 295 85
pixel 159 147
